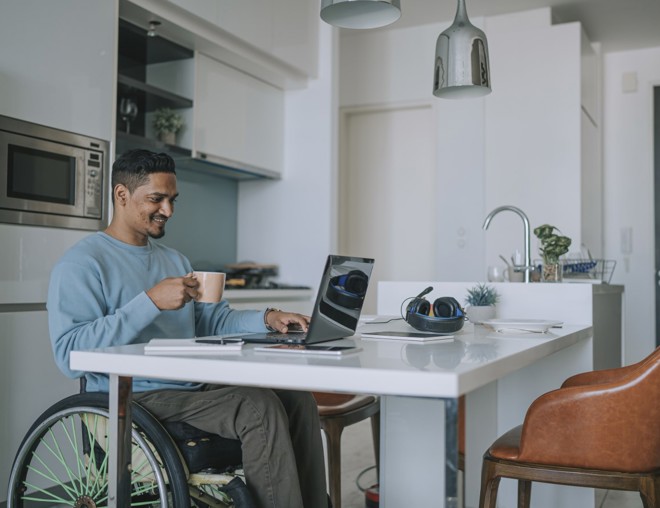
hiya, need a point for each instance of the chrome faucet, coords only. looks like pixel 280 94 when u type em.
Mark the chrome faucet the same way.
pixel 525 220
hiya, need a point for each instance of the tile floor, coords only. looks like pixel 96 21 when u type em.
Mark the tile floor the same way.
pixel 357 456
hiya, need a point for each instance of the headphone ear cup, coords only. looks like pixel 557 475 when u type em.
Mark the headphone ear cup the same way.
pixel 355 281
pixel 444 307
pixel 422 307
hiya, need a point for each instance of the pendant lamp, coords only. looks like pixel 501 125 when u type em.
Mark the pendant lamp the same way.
pixel 462 67
pixel 360 13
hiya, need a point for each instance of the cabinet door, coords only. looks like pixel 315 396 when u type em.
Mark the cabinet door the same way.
pixel 239 120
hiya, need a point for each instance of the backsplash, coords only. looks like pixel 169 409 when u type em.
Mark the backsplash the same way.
pixel 204 225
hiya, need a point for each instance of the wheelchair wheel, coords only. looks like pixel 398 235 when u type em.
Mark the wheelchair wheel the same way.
pixel 62 461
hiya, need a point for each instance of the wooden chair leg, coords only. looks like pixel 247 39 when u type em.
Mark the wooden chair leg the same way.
pixel 649 491
pixel 524 493
pixel 490 482
pixel 333 438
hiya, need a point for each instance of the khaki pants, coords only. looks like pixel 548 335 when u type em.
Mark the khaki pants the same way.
pixel 279 432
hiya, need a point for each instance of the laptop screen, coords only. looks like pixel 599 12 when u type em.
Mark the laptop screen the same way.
pixel 340 298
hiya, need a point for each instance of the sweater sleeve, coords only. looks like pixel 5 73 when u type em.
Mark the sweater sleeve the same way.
pixel 76 314
pixel 216 319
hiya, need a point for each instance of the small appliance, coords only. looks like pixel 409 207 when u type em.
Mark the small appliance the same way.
pixel 51 177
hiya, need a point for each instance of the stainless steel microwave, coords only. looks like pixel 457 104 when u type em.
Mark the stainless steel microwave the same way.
pixel 51 177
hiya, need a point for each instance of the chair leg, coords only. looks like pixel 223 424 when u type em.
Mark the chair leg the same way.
pixel 333 437
pixel 649 491
pixel 490 482
pixel 375 435
pixel 524 493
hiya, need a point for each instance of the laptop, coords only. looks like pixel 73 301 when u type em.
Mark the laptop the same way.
pixel 338 304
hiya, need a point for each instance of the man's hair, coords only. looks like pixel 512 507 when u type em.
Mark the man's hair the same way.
pixel 132 169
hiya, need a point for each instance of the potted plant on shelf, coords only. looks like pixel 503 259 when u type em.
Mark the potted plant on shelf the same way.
pixel 481 300
pixel 553 246
pixel 167 123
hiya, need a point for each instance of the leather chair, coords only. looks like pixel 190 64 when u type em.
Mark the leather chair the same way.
pixel 601 429
pixel 336 412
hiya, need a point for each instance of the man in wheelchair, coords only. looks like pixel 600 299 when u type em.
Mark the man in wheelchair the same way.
pixel 118 287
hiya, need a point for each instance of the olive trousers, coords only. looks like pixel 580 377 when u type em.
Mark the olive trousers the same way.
pixel 279 431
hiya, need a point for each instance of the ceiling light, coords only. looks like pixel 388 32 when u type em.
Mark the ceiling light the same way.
pixel 462 67
pixel 360 13
pixel 152 28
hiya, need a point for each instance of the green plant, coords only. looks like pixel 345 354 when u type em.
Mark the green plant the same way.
pixel 167 120
pixel 481 295
pixel 552 245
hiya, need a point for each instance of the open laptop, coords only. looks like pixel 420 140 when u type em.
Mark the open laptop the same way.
pixel 338 304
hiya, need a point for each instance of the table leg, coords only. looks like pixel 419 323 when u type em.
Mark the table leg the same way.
pixel 451 453
pixel 419 452
pixel 119 471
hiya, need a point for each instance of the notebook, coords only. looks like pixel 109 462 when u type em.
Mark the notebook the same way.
pixel 338 304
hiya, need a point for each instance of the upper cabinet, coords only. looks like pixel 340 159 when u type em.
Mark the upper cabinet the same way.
pixel 239 120
pixel 285 29
pixel 275 42
pixel 233 122
pixel 57 65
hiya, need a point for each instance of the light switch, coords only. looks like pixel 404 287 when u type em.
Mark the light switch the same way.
pixel 626 240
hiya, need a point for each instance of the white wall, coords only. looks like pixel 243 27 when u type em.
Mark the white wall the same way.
pixel 628 164
pixel 518 146
pixel 291 222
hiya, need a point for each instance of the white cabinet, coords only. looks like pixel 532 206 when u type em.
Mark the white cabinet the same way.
pixel 285 29
pixel 58 64
pixel 238 120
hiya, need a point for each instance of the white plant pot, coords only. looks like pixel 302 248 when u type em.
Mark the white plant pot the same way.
pixel 479 314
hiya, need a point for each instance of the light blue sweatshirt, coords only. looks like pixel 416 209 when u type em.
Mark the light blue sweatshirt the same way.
pixel 97 298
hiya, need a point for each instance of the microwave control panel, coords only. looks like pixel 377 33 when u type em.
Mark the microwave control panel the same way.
pixel 93 184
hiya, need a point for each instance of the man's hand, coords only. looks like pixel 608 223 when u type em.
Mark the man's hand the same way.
pixel 286 321
pixel 174 292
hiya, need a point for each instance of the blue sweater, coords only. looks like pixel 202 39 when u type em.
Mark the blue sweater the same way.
pixel 97 298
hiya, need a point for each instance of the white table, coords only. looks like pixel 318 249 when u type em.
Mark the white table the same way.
pixel 419 387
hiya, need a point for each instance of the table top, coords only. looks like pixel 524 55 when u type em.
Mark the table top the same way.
pixel 477 356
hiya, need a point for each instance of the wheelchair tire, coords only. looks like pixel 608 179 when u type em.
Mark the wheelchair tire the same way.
pixel 61 461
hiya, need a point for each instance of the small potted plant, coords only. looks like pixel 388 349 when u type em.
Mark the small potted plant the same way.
pixel 167 123
pixel 553 246
pixel 481 300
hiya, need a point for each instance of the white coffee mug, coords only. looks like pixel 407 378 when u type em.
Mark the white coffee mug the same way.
pixel 211 286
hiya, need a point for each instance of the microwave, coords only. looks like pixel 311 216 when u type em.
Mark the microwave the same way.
pixel 51 177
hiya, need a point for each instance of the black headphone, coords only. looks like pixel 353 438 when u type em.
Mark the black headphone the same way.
pixel 448 316
pixel 348 290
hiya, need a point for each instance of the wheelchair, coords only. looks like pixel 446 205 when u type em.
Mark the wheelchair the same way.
pixel 63 461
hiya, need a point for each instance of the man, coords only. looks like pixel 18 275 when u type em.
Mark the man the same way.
pixel 119 287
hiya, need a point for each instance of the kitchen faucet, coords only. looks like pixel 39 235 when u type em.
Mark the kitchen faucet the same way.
pixel 525 220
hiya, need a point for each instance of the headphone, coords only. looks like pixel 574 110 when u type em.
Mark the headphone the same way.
pixel 448 316
pixel 348 290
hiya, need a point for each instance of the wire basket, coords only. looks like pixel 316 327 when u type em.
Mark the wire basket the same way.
pixel 589 269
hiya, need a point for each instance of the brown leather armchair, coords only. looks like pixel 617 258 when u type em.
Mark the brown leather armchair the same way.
pixel 601 429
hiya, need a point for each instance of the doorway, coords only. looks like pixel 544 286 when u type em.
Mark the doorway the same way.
pixel 387 202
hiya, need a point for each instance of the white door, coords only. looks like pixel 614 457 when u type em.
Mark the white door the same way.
pixel 387 201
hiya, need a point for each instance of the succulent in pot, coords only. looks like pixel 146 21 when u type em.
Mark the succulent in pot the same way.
pixel 481 300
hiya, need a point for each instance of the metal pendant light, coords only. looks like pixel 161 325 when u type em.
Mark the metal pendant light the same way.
pixel 360 13
pixel 462 67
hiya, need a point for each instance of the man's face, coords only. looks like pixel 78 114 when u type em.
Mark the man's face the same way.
pixel 149 207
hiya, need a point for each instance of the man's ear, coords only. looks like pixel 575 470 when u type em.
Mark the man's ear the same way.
pixel 121 194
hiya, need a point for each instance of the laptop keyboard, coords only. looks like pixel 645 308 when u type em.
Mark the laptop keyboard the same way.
pixel 287 336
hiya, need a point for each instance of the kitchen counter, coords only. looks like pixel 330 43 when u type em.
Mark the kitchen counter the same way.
pixel 292 300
